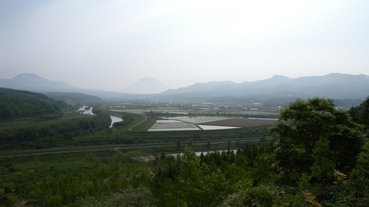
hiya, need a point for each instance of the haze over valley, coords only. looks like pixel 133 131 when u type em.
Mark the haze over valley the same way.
pixel 196 103
pixel 347 89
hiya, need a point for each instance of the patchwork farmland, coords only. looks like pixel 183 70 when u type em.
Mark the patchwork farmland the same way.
pixel 185 123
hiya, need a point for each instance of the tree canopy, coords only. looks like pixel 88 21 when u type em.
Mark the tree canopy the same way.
pixel 312 131
pixel 360 114
pixel 21 104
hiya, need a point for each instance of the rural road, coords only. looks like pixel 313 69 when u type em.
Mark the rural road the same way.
pixel 123 147
pixel 145 118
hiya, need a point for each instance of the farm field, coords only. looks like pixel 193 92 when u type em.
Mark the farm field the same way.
pixel 241 122
pixel 186 123
pixel 198 110
pixel 215 127
pixel 172 125
pixel 199 119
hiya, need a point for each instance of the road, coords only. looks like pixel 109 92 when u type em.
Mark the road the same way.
pixel 29 153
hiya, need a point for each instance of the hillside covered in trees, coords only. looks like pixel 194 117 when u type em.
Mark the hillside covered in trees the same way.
pixel 33 120
pixel 21 104
pixel 360 114
pixel 75 98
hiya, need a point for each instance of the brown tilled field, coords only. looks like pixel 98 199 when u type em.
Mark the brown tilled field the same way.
pixel 241 122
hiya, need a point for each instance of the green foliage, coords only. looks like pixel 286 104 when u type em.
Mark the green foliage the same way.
pixel 64 180
pixel 255 196
pixel 22 104
pixel 360 114
pixel 199 186
pixel 75 98
pixel 40 133
pixel 322 168
pixel 6 197
pixel 318 147
pixel 301 126
pixel 195 184
pixel 262 169
pixel 144 125
pixel 32 120
pixel 304 183
pixel 127 197
pixel 356 192
pixel 211 179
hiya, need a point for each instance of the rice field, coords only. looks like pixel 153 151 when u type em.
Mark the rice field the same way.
pixel 172 125
pixel 186 123
pixel 242 122
pixel 214 127
pixel 199 119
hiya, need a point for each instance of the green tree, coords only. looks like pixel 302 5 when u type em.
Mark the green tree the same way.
pixel 323 165
pixel 360 114
pixel 199 186
pixel 357 190
pixel 302 125
pixel 253 196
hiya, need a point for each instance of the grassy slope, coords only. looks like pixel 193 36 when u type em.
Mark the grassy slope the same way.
pixel 75 98
pixel 144 125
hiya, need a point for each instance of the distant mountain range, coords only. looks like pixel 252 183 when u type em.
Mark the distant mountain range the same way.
pixel 35 83
pixel 334 86
pixel 146 86
pixel 275 90
pixel 32 82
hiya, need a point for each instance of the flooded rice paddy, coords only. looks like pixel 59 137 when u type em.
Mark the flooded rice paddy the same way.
pixel 186 123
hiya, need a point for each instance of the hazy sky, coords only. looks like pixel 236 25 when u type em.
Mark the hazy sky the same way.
pixel 109 44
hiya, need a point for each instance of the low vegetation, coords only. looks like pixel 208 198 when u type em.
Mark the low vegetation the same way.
pixel 81 180
pixel 319 157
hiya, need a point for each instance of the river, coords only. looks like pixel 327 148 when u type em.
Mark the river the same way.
pixel 86 110
pixel 115 119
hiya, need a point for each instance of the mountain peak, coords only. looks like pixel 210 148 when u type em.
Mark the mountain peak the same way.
pixel 32 82
pixel 148 79
pixel 28 76
pixel 146 85
pixel 279 77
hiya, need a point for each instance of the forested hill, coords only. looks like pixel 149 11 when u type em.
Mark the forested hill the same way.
pixel 75 98
pixel 360 114
pixel 21 104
